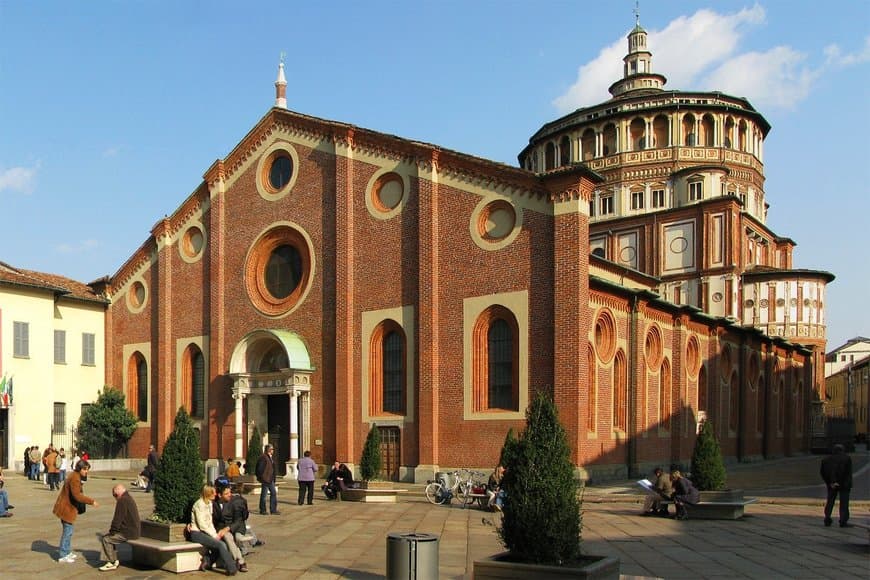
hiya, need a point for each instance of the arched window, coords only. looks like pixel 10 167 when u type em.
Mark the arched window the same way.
pixel 387 364
pixel 702 390
pixel 500 348
pixel 587 144
pixel 549 157
pixel 592 398
pixel 193 382
pixel 734 408
pixel 665 395
pixel 137 386
pixel 620 392
pixel 609 136
pixel 660 131
pixel 689 130
pixel 564 151
pixel 394 372
pixel 637 129
pixel 496 360
pixel 708 131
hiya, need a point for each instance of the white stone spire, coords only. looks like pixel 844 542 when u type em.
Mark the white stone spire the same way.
pixel 281 86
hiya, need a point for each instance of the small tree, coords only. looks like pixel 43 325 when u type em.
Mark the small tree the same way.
pixel 708 469
pixel 180 476
pixel 541 523
pixel 508 448
pixel 106 426
pixel 255 450
pixel 370 462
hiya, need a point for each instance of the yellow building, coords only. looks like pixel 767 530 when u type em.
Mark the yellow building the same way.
pixel 848 394
pixel 52 358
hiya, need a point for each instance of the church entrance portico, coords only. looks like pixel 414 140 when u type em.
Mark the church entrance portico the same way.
pixel 271 384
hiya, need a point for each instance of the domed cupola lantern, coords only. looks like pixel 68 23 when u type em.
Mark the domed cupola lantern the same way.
pixel 637 72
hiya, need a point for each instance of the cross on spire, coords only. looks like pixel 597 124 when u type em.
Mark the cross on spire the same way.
pixel 636 12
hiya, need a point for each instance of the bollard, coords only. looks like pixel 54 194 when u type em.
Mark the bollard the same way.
pixel 412 556
pixel 211 473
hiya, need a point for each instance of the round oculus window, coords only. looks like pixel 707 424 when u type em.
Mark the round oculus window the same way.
pixel 192 242
pixel 280 171
pixel 497 220
pixel 388 192
pixel 278 270
pixel 136 295
pixel 283 271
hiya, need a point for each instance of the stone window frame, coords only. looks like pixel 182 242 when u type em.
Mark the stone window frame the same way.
pixel 403 317
pixel 184 375
pixel 273 236
pixel 478 218
pixel 376 368
pixel 478 311
pixel 264 166
pixel 130 376
pixel 376 209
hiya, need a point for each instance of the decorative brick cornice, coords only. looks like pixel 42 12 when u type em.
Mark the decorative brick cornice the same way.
pixel 608 300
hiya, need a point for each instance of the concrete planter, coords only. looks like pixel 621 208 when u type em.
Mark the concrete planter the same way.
pixel 500 567
pixel 162 531
pixel 726 495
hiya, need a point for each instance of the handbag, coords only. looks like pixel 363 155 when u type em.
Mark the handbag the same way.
pixel 80 506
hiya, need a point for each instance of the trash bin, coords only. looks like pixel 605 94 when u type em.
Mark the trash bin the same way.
pixel 211 473
pixel 412 556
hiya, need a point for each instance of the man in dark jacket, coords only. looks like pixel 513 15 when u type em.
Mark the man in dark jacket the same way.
pixel 124 526
pixel 836 470
pixel 266 476
pixel 232 512
pixel 151 467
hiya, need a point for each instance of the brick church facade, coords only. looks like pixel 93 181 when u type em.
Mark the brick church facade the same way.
pixel 324 278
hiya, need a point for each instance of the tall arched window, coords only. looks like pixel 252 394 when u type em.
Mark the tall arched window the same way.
pixel 137 386
pixel 496 360
pixel 387 366
pixel 500 347
pixel 702 390
pixel 394 372
pixel 549 157
pixel 734 394
pixel 592 398
pixel 564 151
pixel 665 395
pixel 193 382
pixel 620 392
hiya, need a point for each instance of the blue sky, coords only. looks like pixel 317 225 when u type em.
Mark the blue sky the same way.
pixel 111 111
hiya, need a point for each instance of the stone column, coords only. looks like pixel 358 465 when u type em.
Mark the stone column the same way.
pixel 294 434
pixel 240 426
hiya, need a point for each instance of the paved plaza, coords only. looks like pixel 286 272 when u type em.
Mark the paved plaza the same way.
pixel 781 537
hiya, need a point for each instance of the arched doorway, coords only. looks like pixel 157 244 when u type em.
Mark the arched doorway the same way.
pixel 271 375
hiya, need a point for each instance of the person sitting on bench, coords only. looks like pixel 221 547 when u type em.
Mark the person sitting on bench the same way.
pixel 655 506
pixel 684 494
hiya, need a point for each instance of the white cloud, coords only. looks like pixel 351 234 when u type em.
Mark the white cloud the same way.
pixel 773 79
pixel 111 152
pixel 77 247
pixel 21 179
pixel 835 57
pixel 701 52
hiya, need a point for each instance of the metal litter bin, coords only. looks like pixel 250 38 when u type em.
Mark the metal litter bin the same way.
pixel 211 473
pixel 412 556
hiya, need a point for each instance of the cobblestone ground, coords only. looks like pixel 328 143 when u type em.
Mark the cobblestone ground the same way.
pixel 779 538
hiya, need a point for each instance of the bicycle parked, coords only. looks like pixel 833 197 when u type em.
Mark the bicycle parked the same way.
pixel 463 484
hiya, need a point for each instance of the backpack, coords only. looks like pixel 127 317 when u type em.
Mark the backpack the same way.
pixel 58 461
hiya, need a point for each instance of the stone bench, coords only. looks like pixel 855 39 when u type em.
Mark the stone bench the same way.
pixel 372 495
pixel 170 556
pixel 720 510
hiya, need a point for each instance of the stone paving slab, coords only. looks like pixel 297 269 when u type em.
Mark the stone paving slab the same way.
pixel 331 540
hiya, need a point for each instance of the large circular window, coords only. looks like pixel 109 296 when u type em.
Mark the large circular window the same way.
pixel 279 270
pixel 137 296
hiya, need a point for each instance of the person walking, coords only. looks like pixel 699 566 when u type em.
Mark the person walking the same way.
pixel 64 465
pixel 125 526
pixel 307 473
pixel 151 467
pixel 836 471
pixel 266 476
pixel 35 461
pixel 70 503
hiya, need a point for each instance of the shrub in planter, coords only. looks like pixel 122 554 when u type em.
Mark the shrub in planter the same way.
pixel 255 450
pixel 179 477
pixel 541 522
pixel 708 468
pixel 370 462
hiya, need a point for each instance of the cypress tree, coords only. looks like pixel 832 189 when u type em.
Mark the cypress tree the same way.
pixel 708 468
pixel 255 450
pixel 180 475
pixel 370 462
pixel 541 521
